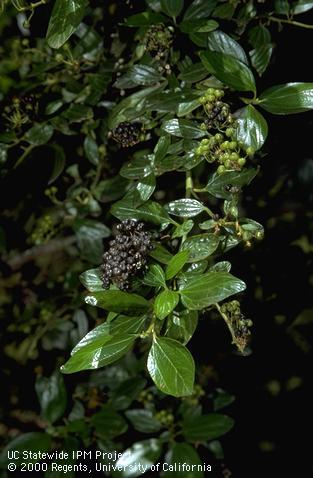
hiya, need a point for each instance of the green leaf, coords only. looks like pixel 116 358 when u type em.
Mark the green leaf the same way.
pixel 200 9
pixel 143 75
pixel 176 264
pixel 89 234
pixel 65 18
pixel 99 353
pixel 39 134
pixel 145 187
pixel 183 128
pixel 225 11
pixel 222 399
pixel 59 162
pixel 91 150
pixel 161 254
pixel 193 73
pixel 108 423
pixel 251 128
pixel 206 427
pixel 141 455
pixel 172 8
pixel 223 43
pixel 125 393
pixel 217 184
pixel 92 280
pixel 51 393
pixel 259 35
pixel 184 453
pixel 150 212
pixel 138 168
pixel 155 276
pixel 223 266
pixel 228 70
pixel 32 442
pixel 183 229
pixel 161 147
pixel 202 291
pixel 260 57
pixel 143 420
pixel 144 19
pixel 288 99
pixel 182 327
pixel 118 301
pixel 302 6
pixel 165 303
pixel 171 367
pixel 185 207
pixel 200 246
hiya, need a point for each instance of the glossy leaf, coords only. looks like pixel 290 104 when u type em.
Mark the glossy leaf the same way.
pixel 92 280
pixel 183 229
pixel 118 301
pixel 138 168
pixel 176 264
pixel 185 207
pixel 144 453
pixel 155 276
pixel 99 353
pixel 171 367
pixel 108 423
pixel 165 303
pixel 200 246
pixel 150 212
pixel 144 19
pixel 162 147
pixel 181 327
pixel 217 184
pixel 143 420
pixel 172 8
pixel 143 75
pixel 302 6
pixel 52 396
pixel 261 56
pixel 207 427
pixel 91 150
pixel 223 43
pixel 251 128
pixel 183 128
pixel 200 9
pixel 65 18
pixel 145 187
pixel 184 453
pixel 161 254
pixel 228 70
pixel 39 134
pixel 207 289
pixel 32 442
pixel 288 99
pixel 193 73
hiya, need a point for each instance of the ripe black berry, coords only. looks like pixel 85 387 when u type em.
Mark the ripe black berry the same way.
pixel 127 134
pixel 127 254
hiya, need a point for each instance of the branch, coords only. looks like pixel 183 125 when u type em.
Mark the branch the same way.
pixel 31 254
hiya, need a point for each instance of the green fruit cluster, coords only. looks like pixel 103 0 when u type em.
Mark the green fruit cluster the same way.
pixel 240 325
pixel 157 41
pixel 43 231
pixel 165 417
pixel 218 112
pixel 228 154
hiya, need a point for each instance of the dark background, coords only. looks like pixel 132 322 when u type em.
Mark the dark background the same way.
pixel 271 432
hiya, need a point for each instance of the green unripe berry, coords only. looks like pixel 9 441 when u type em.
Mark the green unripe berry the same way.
pixel 229 132
pixel 221 169
pixel 205 142
pixel 234 156
pixel 202 100
pixel 228 164
pixel 218 137
pixel 233 145
pixel 211 98
pixel 225 145
pixel 203 126
pixel 210 91
pixel 219 93
pixel 241 162
pixel 250 151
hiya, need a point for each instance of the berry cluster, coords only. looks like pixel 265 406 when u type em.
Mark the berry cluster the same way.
pixel 194 399
pixel 44 230
pixel 20 111
pixel 127 134
pixel 127 254
pixel 239 324
pixel 165 417
pixel 218 112
pixel 229 154
pixel 157 41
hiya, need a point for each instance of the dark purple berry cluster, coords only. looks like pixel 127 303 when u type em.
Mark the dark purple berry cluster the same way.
pixel 127 254
pixel 127 134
